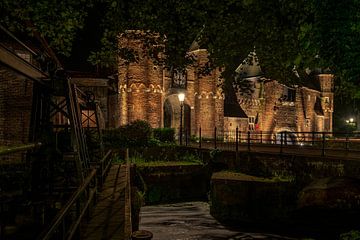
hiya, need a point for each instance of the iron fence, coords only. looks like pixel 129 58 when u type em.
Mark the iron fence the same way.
pixel 316 143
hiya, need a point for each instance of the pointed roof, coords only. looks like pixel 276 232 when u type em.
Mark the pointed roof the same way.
pixel 249 67
pixel 232 107
pixel 194 46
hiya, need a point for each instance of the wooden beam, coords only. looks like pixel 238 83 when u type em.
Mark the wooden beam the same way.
pixel 21 66
pixel 90 82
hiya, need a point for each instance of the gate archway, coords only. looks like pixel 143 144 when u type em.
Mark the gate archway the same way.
pixel 172 114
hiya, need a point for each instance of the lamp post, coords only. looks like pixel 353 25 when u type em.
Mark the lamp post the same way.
pixel 181 97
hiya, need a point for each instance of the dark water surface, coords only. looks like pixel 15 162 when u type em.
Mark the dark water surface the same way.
pixel 192 220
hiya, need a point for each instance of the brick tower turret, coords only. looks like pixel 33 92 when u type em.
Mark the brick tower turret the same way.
pixel 140 82
pixel 209 100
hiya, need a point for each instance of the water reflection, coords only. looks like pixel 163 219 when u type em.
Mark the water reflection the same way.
pixel 192 220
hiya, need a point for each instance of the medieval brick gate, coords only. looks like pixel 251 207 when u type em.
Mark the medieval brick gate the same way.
pixel 147 91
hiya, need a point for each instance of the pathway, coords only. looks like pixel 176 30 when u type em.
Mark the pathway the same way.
pixel 109 218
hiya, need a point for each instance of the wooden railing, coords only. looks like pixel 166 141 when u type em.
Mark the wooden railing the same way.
pixel 128 210
pixel 60 228
pixel 20 148
pixel 103 167
pixel 65 224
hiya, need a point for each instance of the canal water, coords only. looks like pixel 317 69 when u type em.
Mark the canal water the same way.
pixel 190 221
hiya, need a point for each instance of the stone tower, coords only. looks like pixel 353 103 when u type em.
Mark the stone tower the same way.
pixel 149 92
pixel 208 98
pixel 140 82
pixel 326 95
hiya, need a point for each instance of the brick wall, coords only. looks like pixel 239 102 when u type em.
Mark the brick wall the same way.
pixel 15 107
pixel 144 87
pixel 140 84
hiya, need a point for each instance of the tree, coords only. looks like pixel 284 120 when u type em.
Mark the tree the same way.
pixel 302 34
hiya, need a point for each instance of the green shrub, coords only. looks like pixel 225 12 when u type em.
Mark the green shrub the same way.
pixel 164 134
pixel 352 235
pixel 135 134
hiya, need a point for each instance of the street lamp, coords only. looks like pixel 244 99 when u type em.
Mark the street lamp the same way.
pixel 181 97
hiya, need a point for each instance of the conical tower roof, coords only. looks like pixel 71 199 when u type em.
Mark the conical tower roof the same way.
pixel 250 66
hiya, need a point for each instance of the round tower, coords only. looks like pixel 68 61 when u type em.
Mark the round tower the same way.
pixel 209 101
pixel 140 80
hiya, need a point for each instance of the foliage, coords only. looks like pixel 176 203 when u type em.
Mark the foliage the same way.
pixel 190 157
pixel 288 35
pixel 164 134
pixel 214 153
pixel 117 159
pixel 134 134
pixel 56 20
pixel 352 235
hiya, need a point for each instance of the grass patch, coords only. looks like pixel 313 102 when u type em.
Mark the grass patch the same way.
pixel 244 177
pixel 166 163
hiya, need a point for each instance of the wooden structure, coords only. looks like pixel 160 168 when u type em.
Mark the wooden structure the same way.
pixel 54 117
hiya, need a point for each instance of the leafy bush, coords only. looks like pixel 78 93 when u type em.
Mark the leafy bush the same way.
pixel 135 134
pixel 352 235
pixel 164 134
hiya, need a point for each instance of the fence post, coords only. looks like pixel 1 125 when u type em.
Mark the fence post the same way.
pixel 323 144
pixel 200 138
pixel 313 138
pixel 281 142
pixel 186 137
pixel 261 137
pixel 248 140
pixel 78 212
pixel 347 142
pixel 215 138
pixel 237 142
pixel 285 138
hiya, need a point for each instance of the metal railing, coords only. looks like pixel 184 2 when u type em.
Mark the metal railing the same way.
pixel 67 222
pixel 317 143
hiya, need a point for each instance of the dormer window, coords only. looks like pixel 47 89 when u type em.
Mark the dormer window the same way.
pixel 289 95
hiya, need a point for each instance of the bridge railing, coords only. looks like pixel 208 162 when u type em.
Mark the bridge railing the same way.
pixel 319 143
pixel 66 224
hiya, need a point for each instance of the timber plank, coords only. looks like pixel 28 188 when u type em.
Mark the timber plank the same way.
pixel 108 218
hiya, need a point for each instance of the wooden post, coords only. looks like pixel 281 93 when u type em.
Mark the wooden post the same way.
pixel 281 142
pixel 248 140
pixel 313 138
pixel 215 138
pixel 237 140
pixel 200 138
pixel 323 144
